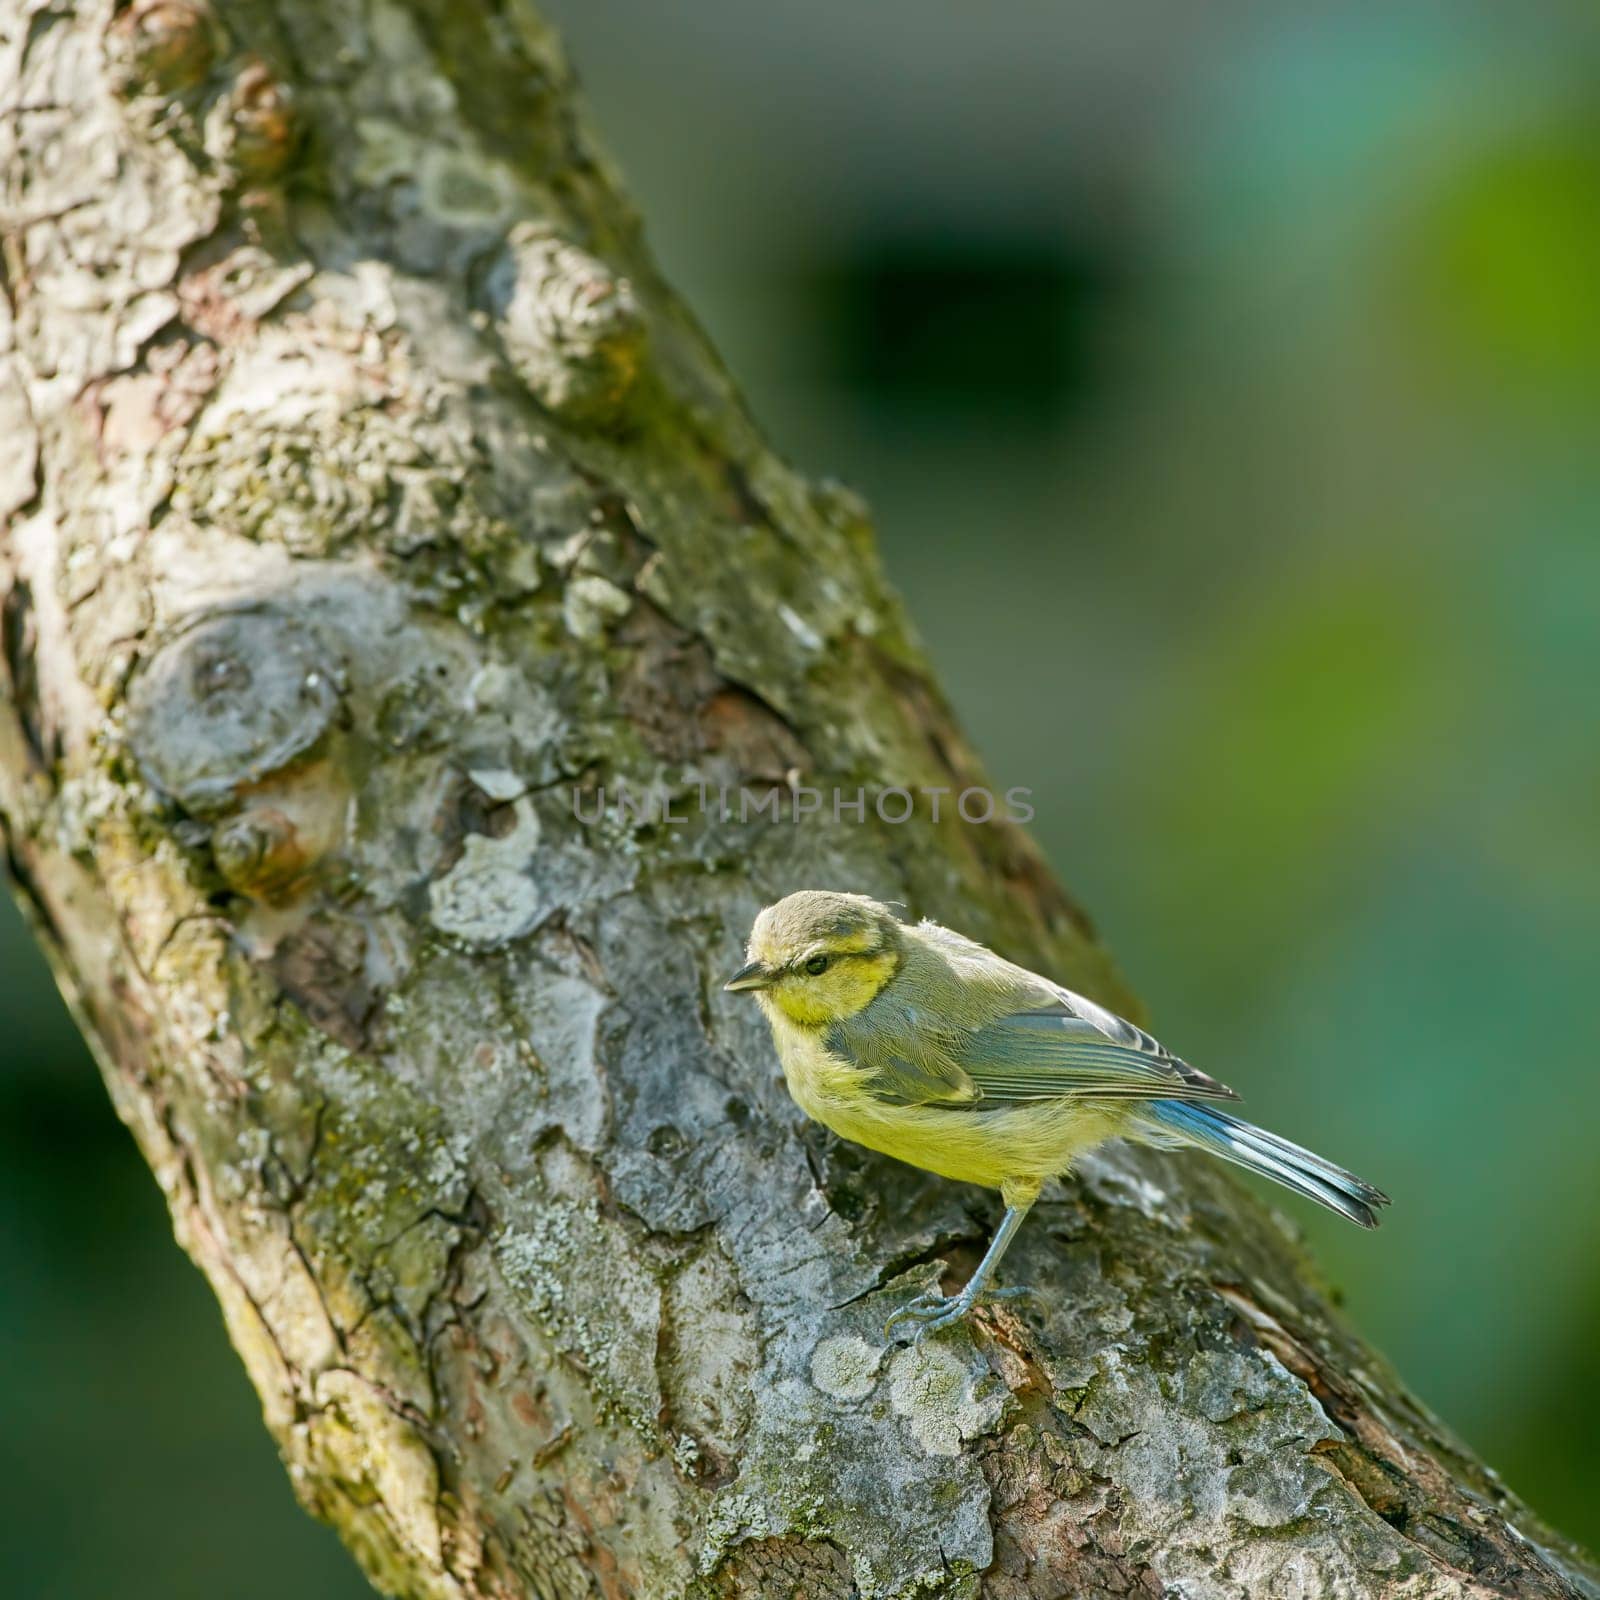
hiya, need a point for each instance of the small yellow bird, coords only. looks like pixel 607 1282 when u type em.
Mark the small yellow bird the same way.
pixel 921 1043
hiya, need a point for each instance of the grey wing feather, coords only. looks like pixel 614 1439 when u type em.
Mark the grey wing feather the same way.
pixel 1037 1054
pixel 930 1039
pixel 1042 1054
pixel 1049 1033
pixel 1118 1029
pixel 922 1082
pixel 909 1059
pixel 1124 1032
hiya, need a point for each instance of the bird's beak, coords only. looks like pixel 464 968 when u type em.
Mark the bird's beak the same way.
pixel 752 975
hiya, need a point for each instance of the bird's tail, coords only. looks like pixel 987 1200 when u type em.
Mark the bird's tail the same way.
pixel 1180 1122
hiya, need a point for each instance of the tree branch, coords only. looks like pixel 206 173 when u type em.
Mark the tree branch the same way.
pixel 368 497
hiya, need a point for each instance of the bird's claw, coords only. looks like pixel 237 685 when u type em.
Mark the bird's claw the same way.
pixel 931 1311
pixel 927 1312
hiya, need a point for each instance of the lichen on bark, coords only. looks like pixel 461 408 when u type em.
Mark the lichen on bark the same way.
pixel 373 509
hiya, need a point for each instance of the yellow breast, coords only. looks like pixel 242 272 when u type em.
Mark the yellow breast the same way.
pixel 1035 1139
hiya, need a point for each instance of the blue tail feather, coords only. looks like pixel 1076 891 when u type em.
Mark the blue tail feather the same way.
pixel 1178 1122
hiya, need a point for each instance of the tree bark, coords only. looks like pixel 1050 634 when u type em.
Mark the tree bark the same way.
pixel 373 514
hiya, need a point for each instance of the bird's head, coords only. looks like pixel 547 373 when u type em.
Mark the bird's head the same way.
pixel 818 957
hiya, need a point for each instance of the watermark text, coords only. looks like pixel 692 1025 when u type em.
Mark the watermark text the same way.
pixel 652 806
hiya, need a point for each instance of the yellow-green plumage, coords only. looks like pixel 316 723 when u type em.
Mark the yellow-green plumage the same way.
pixel 922 1044
pixel 1023 1144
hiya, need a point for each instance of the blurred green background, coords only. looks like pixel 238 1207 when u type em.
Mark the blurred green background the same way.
pixel 1226 384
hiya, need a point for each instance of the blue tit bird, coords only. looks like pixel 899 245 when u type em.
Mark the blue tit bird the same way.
pixel 921 1043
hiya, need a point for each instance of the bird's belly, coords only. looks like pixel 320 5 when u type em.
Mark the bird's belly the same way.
pixel 1038 1139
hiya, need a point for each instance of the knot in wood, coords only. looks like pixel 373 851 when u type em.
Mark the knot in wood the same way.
pixel 232 699
pixel 573 327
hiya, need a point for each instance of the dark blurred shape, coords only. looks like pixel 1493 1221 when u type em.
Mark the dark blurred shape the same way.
pixel 961 327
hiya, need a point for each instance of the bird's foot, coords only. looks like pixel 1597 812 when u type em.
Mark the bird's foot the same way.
pixel 928 1312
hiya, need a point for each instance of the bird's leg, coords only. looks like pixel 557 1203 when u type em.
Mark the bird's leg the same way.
pixel 930 1311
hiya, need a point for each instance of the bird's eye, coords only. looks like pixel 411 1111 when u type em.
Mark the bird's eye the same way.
pixel 817 965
